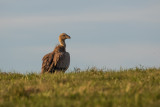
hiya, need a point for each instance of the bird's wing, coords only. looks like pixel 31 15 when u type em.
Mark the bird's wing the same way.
pixel 47 62
pixel 56 58
pixel 63 61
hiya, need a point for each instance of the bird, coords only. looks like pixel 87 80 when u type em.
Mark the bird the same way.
pixel 58 60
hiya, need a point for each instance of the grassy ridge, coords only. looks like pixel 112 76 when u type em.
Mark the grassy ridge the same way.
pixel 92 88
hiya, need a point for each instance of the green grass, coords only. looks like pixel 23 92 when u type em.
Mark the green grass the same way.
pixel 138 87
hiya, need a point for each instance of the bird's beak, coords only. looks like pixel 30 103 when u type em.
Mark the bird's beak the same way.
pixel 68 37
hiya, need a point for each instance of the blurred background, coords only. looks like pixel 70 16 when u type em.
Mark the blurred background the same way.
pixel 106 34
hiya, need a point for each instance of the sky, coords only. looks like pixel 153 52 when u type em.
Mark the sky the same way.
pixel 104 33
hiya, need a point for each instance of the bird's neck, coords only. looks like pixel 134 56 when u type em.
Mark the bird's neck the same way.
pixel 62 42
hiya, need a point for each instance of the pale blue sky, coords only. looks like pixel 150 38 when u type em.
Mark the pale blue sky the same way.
pixel 105 33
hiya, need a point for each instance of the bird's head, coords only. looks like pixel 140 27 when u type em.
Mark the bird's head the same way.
pixel 64 36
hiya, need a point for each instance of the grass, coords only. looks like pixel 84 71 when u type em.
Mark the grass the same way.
pixel 137 87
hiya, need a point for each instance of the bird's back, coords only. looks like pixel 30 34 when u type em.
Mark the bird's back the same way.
pixel 46 62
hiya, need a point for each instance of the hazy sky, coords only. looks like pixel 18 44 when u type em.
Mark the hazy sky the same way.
pixel 105 33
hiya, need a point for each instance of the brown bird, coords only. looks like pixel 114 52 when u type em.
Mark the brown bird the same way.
pixel 59 59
